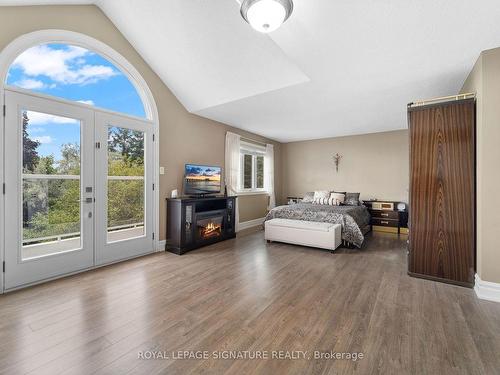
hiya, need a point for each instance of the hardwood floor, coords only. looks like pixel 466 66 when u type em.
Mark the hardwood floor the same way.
pixel 247 295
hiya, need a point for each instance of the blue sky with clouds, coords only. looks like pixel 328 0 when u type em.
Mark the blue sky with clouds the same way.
pixel 72 73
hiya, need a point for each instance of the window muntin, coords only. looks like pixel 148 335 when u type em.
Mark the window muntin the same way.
pixel 76 74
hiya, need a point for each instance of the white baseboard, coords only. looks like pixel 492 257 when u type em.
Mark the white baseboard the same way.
pixel 487 290
pixel 250 223
pixel 160 246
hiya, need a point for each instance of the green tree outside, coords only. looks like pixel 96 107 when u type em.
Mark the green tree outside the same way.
pixel 51 207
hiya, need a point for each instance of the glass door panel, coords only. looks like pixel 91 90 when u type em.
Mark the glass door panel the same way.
pixel 125 184
pixel 50 168
pixel 51 184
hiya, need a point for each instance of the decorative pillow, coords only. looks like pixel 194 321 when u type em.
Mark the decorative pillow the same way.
pixel 308 197
pixel 321 194
pixel 321 197
pixel 337 198
pixel 351 199
pixel 326 201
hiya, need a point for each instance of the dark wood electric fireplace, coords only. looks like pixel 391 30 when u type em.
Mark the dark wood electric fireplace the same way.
pixel 196 222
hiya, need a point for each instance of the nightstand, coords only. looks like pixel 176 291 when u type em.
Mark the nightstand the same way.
pixel 386 217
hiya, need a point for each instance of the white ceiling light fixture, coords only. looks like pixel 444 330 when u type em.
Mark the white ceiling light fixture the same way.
pixel 266 15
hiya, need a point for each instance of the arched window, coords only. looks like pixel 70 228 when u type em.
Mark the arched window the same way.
pixel 75 73
pixel 67 156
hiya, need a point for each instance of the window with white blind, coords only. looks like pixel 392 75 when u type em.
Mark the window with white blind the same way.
pixel 252 167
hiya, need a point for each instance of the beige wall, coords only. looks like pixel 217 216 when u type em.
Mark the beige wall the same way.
pixel 183 137
pixel 376 165
pixel 484 80
pixel 253 207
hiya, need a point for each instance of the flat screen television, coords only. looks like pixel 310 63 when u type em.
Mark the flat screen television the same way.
pixel 202 179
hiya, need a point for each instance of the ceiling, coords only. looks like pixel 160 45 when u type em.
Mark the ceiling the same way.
pixel 334 68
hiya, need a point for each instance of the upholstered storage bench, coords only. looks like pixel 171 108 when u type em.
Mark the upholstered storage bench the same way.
pixel 305 233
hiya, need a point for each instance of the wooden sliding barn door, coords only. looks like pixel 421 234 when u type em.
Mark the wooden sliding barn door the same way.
pixel 442 191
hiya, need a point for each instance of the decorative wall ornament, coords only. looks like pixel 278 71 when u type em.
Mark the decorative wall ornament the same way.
pixel 336 159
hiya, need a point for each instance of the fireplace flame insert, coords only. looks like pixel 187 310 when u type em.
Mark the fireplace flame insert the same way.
pixel 209 225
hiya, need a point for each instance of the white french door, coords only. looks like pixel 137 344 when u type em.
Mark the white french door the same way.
pixel 49 206
pixel 124 188
pixel 78 188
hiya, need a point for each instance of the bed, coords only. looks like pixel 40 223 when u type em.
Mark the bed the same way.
pixel 355 220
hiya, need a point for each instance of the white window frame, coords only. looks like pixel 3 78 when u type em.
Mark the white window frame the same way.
pixel 254 151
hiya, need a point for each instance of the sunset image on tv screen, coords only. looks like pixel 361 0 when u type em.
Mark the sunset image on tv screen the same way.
pixel 202 179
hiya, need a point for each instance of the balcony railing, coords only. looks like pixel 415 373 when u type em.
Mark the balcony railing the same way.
pixel 68 236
